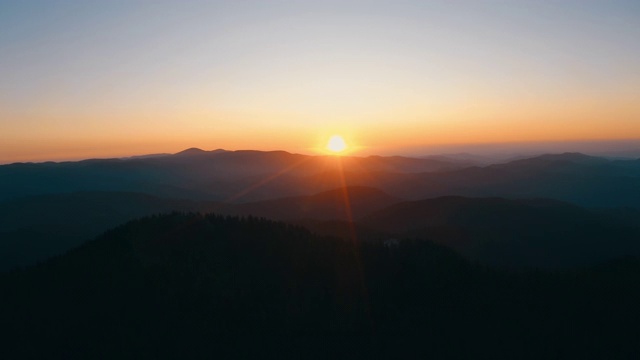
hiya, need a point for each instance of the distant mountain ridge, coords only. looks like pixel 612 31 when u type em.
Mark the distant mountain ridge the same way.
pixel 201 175
pixel 247 176
pixel 49 207
pixel 197 151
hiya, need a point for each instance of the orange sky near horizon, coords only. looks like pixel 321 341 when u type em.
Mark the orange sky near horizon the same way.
pixel 484 123
pixel 119 79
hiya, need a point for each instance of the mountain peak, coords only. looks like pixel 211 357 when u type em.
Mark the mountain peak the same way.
pixel 197 151
pixel 191 151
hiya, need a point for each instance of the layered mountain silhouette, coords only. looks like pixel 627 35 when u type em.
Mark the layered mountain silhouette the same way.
pixel 191 254
pixel 242 176
pixel 204 175
pixel 47 208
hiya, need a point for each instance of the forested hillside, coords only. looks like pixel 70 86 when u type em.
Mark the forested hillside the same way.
pixel 188 285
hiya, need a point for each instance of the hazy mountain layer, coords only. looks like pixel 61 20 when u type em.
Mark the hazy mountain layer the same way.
pixel 47 208
pixel 203 175
pixel 514 233
pixel 242 176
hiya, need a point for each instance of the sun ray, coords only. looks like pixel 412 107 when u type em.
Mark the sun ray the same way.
pixel 266 180
pixel 354 240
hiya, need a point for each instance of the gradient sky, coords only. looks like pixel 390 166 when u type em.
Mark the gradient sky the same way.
pixel 112 78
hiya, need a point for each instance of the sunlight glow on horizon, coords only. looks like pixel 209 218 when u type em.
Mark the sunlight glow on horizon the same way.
pixel 336 144
pixel 101 79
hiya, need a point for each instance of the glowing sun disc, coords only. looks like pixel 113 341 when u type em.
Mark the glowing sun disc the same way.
pixel 336 144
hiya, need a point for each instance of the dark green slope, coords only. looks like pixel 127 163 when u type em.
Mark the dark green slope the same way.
pixel 37 227
pixel 206 286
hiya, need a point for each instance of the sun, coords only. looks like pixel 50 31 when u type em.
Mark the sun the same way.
pixel 336 144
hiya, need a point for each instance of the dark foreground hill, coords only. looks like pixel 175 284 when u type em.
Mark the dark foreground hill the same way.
pixel 35 228
pixel 205 286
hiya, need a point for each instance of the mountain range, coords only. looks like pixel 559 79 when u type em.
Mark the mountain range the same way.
pixel 249 254
pixel 551 210
pixel 243 176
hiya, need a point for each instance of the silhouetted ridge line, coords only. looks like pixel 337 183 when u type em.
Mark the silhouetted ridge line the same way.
pixel 565 157
pixel 191 151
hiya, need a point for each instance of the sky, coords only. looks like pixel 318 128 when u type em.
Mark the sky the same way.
pixel 83 79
